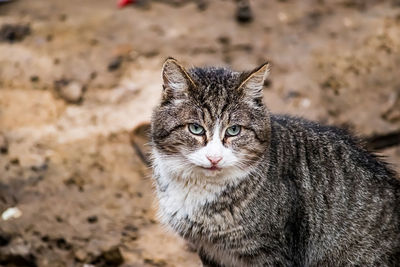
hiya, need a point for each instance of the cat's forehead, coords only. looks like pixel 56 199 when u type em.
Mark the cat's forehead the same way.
pixel 216 89
pixel 215 77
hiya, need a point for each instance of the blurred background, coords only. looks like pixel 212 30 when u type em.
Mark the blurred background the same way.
pixel 79 79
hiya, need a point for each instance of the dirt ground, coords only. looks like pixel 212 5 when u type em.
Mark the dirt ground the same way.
pixel 76 77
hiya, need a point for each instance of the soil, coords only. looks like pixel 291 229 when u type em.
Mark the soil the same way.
pixel 78 78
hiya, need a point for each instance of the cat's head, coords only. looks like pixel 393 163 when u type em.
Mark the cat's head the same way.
pixel 211 122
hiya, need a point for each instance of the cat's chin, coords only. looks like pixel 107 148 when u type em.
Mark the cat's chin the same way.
pixel 219 173
pixel 212 171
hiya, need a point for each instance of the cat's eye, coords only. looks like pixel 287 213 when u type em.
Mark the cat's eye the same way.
pixel 196 129
pixel 233 130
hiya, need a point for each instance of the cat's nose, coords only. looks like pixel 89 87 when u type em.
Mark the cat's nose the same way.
pixel 214 159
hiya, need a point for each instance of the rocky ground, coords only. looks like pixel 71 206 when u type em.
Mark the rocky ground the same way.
pixel 76 77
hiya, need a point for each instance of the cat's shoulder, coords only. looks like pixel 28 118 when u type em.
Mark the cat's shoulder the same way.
pixel 309 127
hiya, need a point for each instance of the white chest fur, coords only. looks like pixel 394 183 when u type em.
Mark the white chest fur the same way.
pixel 185 201
pixel 179 200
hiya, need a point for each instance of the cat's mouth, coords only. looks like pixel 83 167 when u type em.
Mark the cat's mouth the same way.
pixel 212 168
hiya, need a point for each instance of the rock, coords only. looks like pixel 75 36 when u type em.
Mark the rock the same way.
pixel 243 12
pixel 11 213
pixel 201 4
pixel 14 33
pixel 4 239
pixel 80 255
pixel 36 162
pixel 130 232
pixel 92 219
pixel 115 63
pixel 34 78
pixel 75 180
pixel 63 244
pixel 283 17
pixel 14 161
pixel 111 257
pixel 3 144
pixel 11 259
pixel 40 167
pixel 131 228
pixel 224 40
pixel 17 253
pixel 70 91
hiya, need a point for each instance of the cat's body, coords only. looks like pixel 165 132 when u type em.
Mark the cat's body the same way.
pixel 283 192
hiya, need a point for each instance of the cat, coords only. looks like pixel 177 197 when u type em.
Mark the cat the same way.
pixel 251 188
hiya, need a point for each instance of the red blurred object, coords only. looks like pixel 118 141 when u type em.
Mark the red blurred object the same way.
pixel 123 3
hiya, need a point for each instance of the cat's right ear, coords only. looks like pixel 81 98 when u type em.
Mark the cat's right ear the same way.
pixel 176 80
pixel 252 85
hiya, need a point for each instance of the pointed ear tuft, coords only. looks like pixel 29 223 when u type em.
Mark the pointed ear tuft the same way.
pixel 176 79
pixel 253 84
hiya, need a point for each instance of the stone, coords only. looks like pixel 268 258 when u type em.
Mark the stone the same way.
pixel 70 91
pixel 3 144
pixel 244 13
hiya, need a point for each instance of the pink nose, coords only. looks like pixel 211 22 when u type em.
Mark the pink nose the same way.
pixel 214 159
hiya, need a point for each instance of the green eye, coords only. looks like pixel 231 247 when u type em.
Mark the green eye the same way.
pixel 233 130
pixel 196 129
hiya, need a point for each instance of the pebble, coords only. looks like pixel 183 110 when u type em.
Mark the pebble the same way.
pixel 11 213
pixel 283 17
pixel 71 92
pixel 110 257
pixel 115 64
pixel 3 144
pixel 92 219
pixel 305 103
pixel 202 4
pixel 80 255
pixel 244 13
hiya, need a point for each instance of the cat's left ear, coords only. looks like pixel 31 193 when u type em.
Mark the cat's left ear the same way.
pixel 252 84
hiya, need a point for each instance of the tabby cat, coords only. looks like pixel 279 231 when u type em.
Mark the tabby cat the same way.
pixel 250 188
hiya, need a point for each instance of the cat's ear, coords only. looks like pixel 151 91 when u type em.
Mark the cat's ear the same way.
pixel 176 80
pixel 252 84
